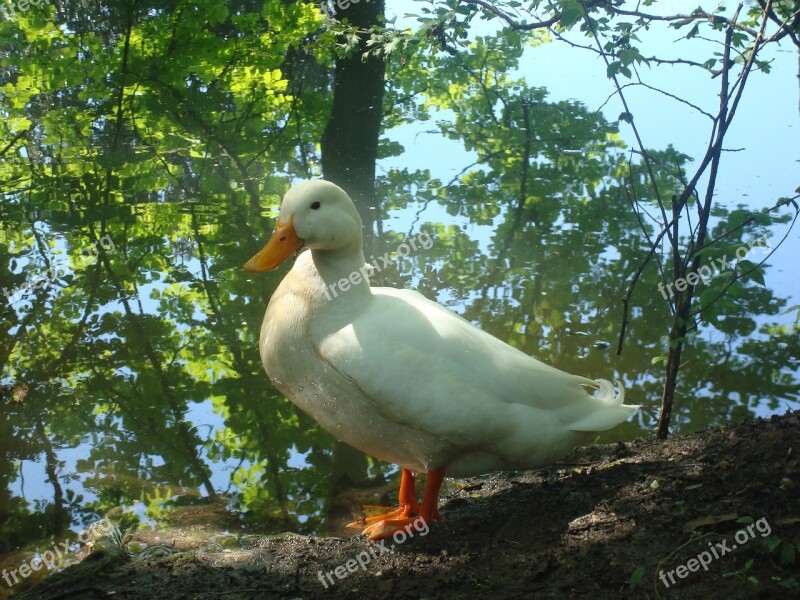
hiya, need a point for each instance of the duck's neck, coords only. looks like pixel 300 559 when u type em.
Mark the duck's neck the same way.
pixel 343 272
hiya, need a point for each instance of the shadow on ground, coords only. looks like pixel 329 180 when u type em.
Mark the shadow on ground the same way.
pixel 603 524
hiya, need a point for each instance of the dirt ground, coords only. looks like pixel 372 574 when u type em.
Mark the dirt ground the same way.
pixel 717 512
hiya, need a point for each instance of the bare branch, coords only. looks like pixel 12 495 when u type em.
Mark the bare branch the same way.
pixel 627 299
pixel 660 91
pixel 639 142
pixel 511 22
pixel 697 14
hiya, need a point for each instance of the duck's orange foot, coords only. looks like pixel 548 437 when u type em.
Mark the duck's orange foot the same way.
pixel 410 517
pixel 375 514
pixel 407 498
pixel 408 526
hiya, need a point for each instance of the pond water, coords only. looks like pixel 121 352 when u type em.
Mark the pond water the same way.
pixel 131 382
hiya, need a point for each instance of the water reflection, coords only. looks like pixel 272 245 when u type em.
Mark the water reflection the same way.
pixel 131 381
pixel 135 377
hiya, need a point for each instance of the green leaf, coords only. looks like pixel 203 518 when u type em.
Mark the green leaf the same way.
pixel 570 15
pixel 628 55
pixel 750 270
pixel 637 574
pixel 758 276
pixel 772 542
pixel 738 38
pixel 709 303
pixel 738 218
pixel 736 289
pixel 788 555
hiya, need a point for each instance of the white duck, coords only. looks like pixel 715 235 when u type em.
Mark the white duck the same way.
pixel 399 376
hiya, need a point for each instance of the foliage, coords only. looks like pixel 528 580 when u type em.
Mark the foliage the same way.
pixel 160 130
pixel 172 130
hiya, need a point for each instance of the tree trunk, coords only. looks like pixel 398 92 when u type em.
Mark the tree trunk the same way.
pixel 350 141
pixel 677 336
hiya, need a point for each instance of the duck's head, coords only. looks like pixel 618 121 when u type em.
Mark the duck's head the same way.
pixel 316 214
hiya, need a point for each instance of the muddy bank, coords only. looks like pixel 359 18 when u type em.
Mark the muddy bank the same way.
pixel 716 513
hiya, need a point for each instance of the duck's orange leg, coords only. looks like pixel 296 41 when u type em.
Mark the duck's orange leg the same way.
pixel 430 499
pixel 428 511
pixel 406 498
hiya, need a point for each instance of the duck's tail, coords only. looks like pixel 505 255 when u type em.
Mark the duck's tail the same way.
pixel 608 411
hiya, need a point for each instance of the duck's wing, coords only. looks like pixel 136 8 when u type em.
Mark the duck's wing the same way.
pixel 411 357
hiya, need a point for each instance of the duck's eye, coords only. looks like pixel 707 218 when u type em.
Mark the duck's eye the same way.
pixel 314 205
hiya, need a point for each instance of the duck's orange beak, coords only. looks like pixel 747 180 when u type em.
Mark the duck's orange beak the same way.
pixel 281 245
